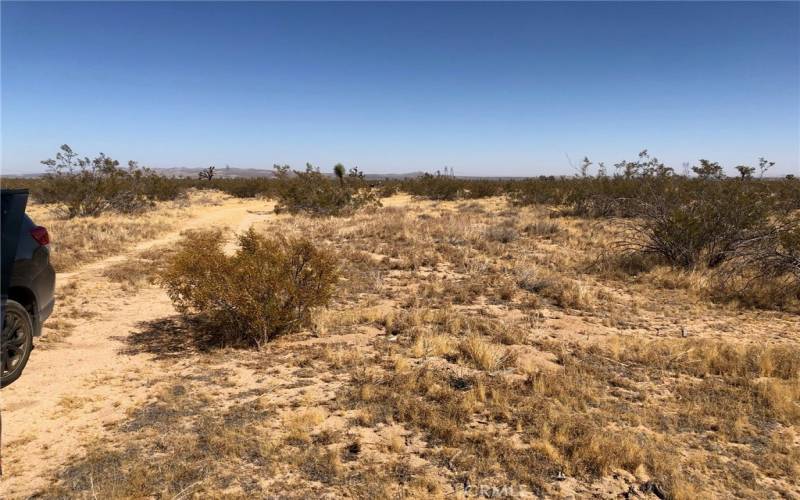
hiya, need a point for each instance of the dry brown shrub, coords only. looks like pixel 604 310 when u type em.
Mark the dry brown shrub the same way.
pixel 268 288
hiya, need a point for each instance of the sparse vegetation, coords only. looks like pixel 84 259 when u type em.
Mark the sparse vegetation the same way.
pixel 507 342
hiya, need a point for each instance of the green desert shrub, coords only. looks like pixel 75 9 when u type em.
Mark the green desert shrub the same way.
pixel 702 222
pixel 447 188
pixel 314 193
pixel 84 187
pixel 267 288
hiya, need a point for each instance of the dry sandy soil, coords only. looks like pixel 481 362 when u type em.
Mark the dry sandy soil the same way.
pixel 473 348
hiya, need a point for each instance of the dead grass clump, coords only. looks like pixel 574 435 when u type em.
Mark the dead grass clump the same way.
pixel 267 289
pixel 593 451
pixel 501 233
pixel 508 334
pixel 506 290
pixel 143 268
pixel 569 293
pixel 132 272
pixel 299 425
pixel 543 227
pixel 532 279
pixel 320 464
pixel 462 292
pixel 485 355
pixel 434 345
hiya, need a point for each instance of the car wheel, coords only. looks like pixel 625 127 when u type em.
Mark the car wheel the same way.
pixel 16 342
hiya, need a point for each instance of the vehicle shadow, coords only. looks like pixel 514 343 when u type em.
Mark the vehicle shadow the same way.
pixel 171 337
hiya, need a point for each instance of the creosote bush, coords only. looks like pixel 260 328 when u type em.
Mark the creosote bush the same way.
pixel 705 225
pixel 445 187
pixel 268 288
pixel 313 193
pixel 764 270
pixel 84 187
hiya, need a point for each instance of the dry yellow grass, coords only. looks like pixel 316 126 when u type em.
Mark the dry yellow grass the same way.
pixel 299 425
pixel 483 354
pixel 86 239
pixel 81 240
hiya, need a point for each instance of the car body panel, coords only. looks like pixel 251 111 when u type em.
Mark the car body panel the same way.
pixel 33 276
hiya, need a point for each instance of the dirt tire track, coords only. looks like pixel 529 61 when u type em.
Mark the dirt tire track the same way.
pixel 73 390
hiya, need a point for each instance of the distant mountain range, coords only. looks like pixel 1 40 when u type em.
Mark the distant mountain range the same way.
pixel 229 172
pixel 252 173
pixel 234 172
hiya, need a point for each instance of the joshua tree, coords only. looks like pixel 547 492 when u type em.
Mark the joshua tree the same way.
pixel 585 164
pixel 763 166
pixel 338 170
pixel 207 173
pixel 745 171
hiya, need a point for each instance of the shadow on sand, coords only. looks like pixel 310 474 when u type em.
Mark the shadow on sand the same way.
pixel 171 337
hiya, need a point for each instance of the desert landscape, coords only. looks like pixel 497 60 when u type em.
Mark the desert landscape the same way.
pixel 400 250
pixel 470 347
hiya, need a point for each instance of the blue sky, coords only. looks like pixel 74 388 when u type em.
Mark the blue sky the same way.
pixel 487 88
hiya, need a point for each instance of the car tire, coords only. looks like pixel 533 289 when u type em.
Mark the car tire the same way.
pixel 16 342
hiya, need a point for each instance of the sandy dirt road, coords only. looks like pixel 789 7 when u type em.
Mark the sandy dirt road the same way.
pixel 73 389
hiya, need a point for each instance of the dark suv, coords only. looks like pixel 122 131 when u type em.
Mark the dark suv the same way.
pixel 30 296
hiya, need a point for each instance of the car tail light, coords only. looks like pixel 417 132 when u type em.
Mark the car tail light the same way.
pixel 39 234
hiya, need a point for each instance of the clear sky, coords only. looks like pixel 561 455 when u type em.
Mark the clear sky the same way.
pixel 487 88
